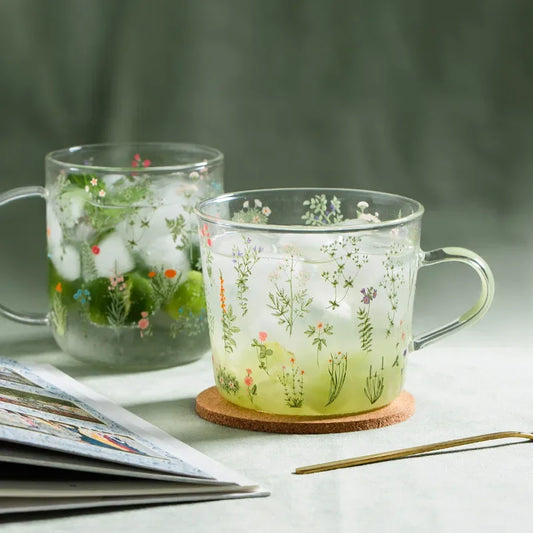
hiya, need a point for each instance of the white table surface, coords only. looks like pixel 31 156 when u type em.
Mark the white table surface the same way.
pixel 477 381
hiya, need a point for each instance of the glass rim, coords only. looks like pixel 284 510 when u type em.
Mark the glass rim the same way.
pixel 217 157
pixel 297 228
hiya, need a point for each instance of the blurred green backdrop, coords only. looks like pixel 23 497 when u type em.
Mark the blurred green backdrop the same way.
pixel 425 98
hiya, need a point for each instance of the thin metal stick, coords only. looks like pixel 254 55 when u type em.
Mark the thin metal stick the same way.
pixel 406 452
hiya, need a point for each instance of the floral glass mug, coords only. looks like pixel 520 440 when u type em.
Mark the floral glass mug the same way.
pixel 125 289
pixel 310 296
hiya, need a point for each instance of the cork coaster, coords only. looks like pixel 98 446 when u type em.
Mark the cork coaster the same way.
pixel 211 406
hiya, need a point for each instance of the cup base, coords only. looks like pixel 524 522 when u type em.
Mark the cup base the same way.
pixel 212 407
pixel 122 350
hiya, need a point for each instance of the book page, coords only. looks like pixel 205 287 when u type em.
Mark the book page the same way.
pixel 43 407
pixel 31 481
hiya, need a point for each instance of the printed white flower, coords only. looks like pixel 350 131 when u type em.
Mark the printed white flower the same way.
pixel 369 217
pixel 258 203
pixel 290 249
pixel 255 220
pixel 399 233
pixel 194 175
pixel 94 182
pixel 362 205
pixel 246 204
pixel 266 211
pixel 101 193
pixel 86 188
pixel 303 277
pixel 273 276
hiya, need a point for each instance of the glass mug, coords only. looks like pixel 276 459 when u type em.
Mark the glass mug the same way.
pixel 125 289
pixel 310 296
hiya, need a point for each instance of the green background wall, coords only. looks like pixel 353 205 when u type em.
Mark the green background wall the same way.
pixel 425 98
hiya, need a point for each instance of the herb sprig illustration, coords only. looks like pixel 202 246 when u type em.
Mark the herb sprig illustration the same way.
pixel 319 332
pixel 322 212
pixel 343 252
pixel 291 302
pixel 363 316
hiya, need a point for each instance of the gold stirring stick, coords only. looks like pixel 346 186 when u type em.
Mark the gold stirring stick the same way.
pixel 406 452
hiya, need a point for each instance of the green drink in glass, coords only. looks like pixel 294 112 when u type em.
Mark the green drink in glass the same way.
pixel 125 287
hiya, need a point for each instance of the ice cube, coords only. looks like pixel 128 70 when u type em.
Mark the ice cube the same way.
pixel 306 245
pixel 113 257
pixel 54 232
pixel 77 208
pixel 175 190
pixel 162 253
pixel 71 204
pixel 225 243
pixel 66 260
pixel 382 241
pixel 146 224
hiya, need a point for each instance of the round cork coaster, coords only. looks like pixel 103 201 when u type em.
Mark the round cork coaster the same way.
pixel 211 406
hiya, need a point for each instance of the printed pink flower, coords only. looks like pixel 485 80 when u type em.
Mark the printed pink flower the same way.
pixel 137 160
pixel 95 250
pixel 262 336
pixel 368 295
pixel 205 233
pixel 248 381
pixel 144 323
pixel 248 371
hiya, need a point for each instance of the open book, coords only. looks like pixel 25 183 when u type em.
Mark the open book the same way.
pixel 64 446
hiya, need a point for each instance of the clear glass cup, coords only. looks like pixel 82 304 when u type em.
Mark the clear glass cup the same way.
pixel 310 296
pixel 125 287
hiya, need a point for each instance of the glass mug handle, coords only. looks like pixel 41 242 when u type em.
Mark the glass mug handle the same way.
pixel 442 255
pixel 35 319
